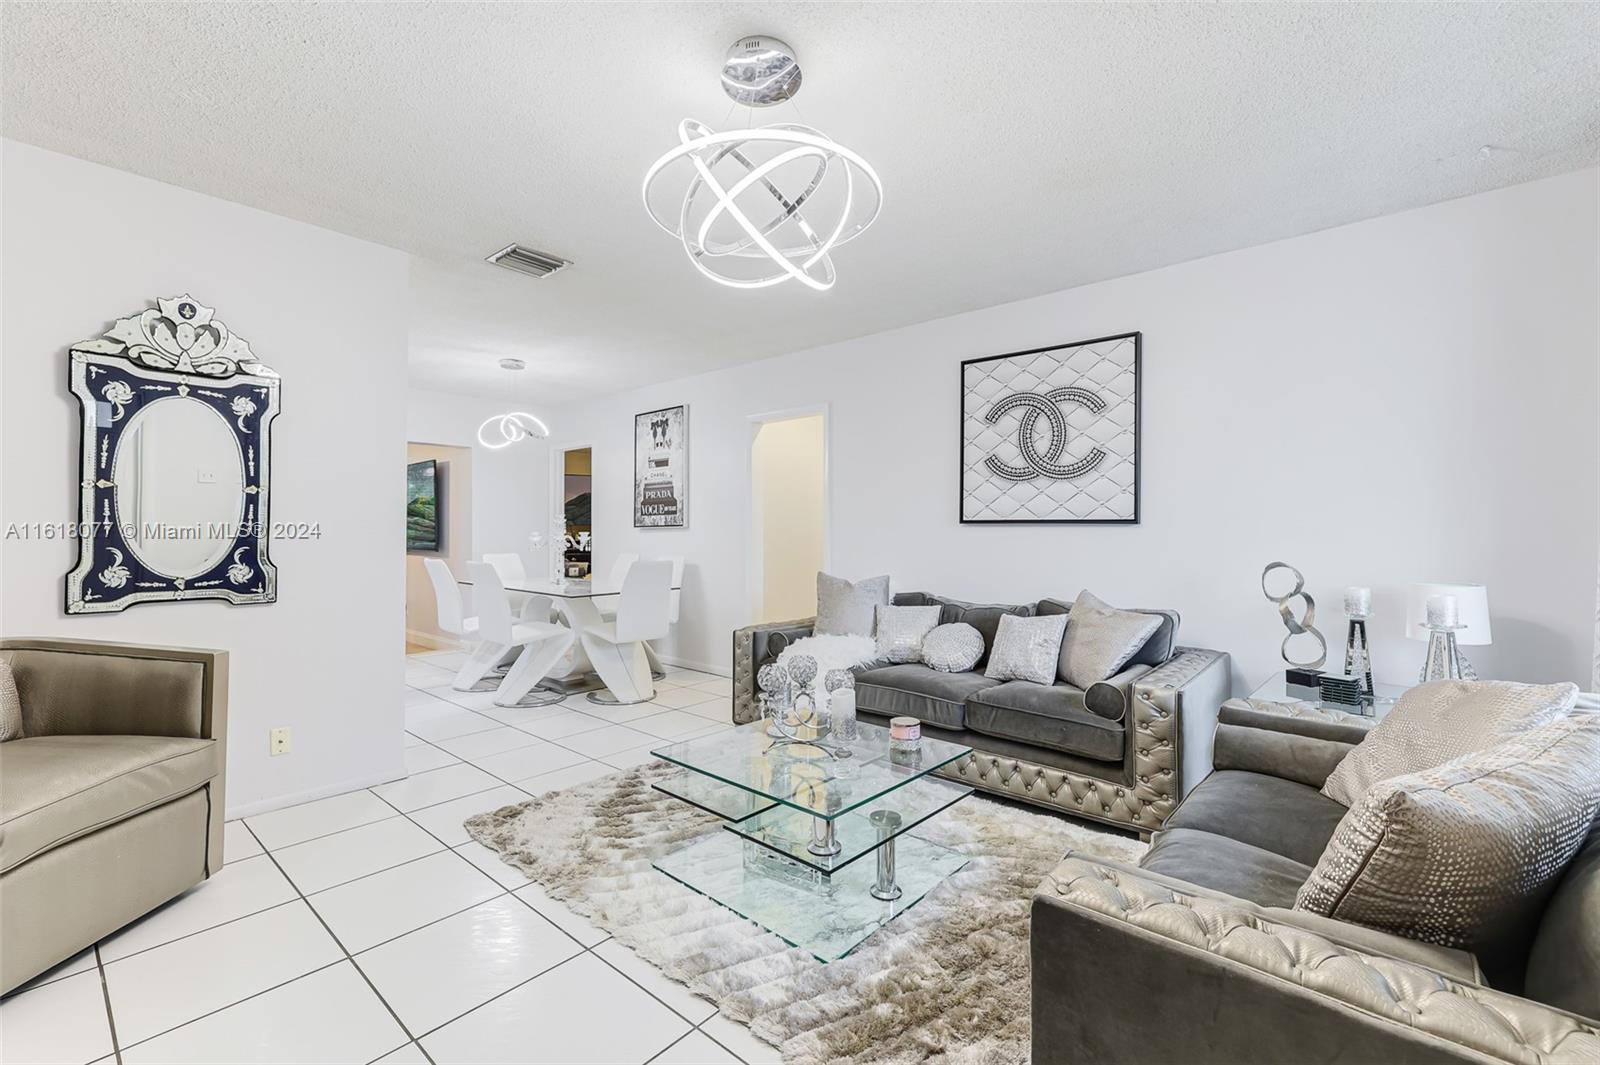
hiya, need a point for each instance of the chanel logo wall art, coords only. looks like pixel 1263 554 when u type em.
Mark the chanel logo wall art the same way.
pixel 661 468
pixel 1052 434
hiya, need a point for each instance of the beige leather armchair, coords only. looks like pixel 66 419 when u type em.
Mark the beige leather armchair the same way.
pixel 112 802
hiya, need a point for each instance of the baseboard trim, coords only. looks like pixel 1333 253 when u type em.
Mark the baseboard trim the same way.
pixel 703 667
pixel 431 640
pixel 265 806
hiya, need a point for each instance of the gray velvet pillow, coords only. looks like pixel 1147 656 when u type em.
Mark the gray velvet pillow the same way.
pixel 1435 722
pixel 846 609
pixel 1101 639
pixel 1026 648
pixel 1466 853
pixel 10 705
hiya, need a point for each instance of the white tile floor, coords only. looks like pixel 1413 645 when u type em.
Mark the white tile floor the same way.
pixel 367 927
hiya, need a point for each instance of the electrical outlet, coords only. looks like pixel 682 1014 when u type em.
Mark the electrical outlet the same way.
pixel 280 741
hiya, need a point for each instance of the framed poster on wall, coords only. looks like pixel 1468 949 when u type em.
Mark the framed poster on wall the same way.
pixel 1051 435
pixel 661 468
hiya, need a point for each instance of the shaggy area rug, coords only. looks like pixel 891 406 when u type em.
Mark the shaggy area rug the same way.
pixel 947 981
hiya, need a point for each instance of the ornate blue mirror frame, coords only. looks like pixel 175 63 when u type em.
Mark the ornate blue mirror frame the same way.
pixel 175 350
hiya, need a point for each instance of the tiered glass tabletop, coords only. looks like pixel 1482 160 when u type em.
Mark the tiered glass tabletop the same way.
pixel 816 843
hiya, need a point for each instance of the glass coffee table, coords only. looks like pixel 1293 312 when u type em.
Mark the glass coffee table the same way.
pixel 815 843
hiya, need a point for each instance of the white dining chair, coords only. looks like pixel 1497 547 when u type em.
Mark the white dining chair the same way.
pixel 656 669
pixel 677 583
pixel 509 566
pixel 543 644
pixel 619 573
pixel 619 568
pixel 481 660
pixel 617 648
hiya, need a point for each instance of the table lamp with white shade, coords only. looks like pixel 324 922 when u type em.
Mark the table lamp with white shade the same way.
pixel 1448 616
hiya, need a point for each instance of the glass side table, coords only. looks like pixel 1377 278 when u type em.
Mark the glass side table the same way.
pixel 1276 690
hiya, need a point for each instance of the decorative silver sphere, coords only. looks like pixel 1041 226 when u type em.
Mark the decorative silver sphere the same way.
pixel 772 678
pixel 802 670
pixel 839 678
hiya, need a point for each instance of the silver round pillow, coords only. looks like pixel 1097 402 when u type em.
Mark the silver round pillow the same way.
pixel 952 648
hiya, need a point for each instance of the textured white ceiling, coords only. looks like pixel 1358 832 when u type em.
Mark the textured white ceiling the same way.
pixel 1023 148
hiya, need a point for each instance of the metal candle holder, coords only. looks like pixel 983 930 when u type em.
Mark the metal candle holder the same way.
pixel 1444 660
pixel 794 708
pixel 1357 651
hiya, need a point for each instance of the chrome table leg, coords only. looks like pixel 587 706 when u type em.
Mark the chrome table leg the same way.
pixel 887 822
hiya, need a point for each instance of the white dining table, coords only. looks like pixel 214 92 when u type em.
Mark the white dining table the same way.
pixel 574 602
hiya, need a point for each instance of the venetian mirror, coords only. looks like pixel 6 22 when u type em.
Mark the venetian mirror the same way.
pixel 175 463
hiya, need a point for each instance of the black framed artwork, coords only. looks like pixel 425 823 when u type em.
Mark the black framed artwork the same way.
pixel 1051 435
pixel 661 468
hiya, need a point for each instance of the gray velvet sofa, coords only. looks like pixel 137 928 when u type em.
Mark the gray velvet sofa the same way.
pixel 1196 955
pixel 112 802
pixel 1123 752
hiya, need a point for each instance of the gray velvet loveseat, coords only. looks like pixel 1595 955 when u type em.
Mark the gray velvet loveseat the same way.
pixel 111 802
pixel 1197 956
pixel 1123 752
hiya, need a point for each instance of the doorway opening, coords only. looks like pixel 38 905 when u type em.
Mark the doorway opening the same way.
pixel 577 481
pixel 438 525
pixel 789 511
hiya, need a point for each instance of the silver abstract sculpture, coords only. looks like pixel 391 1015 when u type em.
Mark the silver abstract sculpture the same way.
pixel 1296 626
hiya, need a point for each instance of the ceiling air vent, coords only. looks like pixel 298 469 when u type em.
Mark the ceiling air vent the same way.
pixel 527 261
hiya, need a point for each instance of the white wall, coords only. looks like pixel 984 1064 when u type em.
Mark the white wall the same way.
pixel 84 245
pixel 1406 398
pixel 510 485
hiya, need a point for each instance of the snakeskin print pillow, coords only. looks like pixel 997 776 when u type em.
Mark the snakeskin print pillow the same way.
pixel 901 630
pixel 1466 853
pixel 953 648
pixel 1433 723
pixel 1100 639
pixel 10 705
pixel 1027 648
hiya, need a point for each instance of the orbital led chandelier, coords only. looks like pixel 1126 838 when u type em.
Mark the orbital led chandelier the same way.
pixel 503 430
pixel 760 206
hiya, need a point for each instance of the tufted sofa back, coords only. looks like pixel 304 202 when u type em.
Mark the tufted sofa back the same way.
pixel 985 617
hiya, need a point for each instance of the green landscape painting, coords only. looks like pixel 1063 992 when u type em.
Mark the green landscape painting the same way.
pixel 422 506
